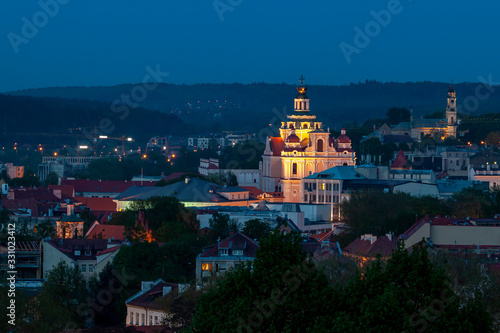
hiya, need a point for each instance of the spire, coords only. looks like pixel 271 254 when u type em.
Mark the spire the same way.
pixel 301 89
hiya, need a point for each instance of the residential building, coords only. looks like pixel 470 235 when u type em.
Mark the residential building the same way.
pixel 90 255
pixel 453 234
pixel 143 308
pixel 244 177
pixel 14 171
pixel 365 249
pixel 304 147
pixel 226 254
pixel 28 260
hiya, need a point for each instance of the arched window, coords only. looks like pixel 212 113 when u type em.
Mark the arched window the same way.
pixel 319 145
pixel 304 126
pixel 345 164
pixel 294 168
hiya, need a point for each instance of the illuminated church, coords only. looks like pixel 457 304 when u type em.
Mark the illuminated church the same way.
pixel 303 148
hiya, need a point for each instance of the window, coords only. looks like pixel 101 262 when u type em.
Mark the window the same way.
pixel 143 319
pixel 137 319
pixel 319 145
pixel 305 197
pixel 131 318
pixel 91 268
pixel 237 252
pixel 88 252
pixel 206 267
pixel 156 320
pixel 223 252
pixel 84 268
pixel 221 267
pixel 294 168
pixel 77 252
pixel 322 186
pixel 238 196
pixel 314 186
pixel 151 320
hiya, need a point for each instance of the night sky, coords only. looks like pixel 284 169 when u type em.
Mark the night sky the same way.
pixel 111 42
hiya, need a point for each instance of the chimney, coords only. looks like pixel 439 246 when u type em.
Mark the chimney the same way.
pixel 146 285
pixel 70 209
pixel 166 290
pixel 373 239
pixel 389 235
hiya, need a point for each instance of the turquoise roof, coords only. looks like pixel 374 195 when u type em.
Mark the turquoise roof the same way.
pixel 338 172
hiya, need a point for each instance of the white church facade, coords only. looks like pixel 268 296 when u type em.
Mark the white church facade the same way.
pixel 303 148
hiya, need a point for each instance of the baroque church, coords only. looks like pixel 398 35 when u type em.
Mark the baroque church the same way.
pixel 304 147
pixel 418 128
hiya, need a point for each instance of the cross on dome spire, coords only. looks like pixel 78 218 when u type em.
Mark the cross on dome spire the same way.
pixel 301 79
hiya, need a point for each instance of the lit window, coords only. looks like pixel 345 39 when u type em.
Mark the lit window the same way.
pixel 131 318
pixel 206 267
pixel 237 252
pixel 223 252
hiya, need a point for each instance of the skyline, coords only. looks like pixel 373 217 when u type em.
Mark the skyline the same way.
pixel 226 41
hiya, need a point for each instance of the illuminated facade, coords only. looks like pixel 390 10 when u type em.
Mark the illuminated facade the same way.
pixel 303 148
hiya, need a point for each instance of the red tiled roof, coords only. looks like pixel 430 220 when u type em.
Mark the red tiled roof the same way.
pixel 41 194
pixel 98 204
pixel 322 236
pixel 103 186
pixel 175 175
pixel 400 162
pixel 254 191
pixel 68 247
pixel 67 190
pixel 365 248
pixel 277 146
pixel 109 250
pixel 106 230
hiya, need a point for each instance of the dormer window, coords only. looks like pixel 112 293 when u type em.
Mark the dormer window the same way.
pixel 237 252
pixel 77 252
pixel 88 252
pixel 223 252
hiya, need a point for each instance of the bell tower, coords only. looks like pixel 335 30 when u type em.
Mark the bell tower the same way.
pixel 301 100
pixel 451 112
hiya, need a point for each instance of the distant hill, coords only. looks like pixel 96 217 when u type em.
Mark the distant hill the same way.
pixel 45 115
pixel 214 107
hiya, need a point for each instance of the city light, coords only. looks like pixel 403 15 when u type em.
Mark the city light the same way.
pixel 129 139
pixel 103 136
pixel 83 147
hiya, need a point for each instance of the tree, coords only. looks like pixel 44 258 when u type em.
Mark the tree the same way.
pixel 55 308
pixel 407 294
pixel 256 229
pixel 397 115
pixel 221 225
pixel 281 291
pixel 45 229
pixel 52 179
pixel 114 311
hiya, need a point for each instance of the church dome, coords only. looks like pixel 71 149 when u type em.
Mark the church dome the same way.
pixel 343 138
pixel 293 138
pixel 452 89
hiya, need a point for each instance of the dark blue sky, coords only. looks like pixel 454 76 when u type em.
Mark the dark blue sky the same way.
pixel 111 42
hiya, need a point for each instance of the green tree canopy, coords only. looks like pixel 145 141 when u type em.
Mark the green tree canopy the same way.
pixel 256 229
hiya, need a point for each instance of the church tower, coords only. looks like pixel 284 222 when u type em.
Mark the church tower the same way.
pixel 451 113
pixel 302 148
